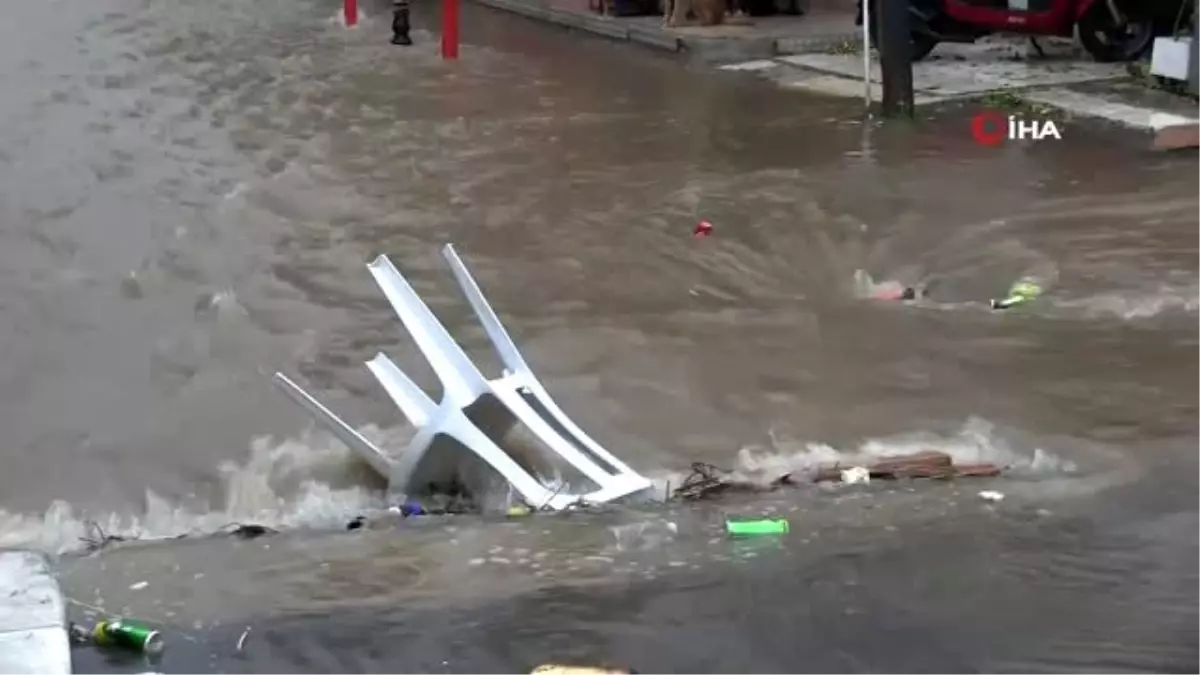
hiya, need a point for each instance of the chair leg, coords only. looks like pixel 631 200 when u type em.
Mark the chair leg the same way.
pixel 344 432
pixel 413 402
pixel 461 380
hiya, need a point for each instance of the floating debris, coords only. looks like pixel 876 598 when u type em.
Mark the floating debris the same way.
pixel 706 481
pixel 927 464
pixel 757 527
pixel 1021 292
pixel 97 539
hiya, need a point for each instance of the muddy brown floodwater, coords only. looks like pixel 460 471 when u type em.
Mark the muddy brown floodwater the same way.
pixel 189 191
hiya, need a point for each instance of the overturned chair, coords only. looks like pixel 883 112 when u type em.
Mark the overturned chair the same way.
pixel 518 392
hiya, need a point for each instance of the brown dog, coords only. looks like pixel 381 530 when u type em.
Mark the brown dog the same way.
pixel 709 12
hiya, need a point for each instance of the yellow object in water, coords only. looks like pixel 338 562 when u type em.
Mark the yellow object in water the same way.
pixel 1026 289
pixel 517 511
pixel 559 669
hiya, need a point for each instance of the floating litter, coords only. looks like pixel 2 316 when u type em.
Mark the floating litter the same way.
pixel 1020 292
pixel 757 527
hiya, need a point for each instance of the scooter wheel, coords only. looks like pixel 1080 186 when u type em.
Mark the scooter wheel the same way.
pixel 1107 42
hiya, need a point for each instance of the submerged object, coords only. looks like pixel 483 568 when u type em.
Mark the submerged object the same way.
pixel 757 527
pixel 1022 291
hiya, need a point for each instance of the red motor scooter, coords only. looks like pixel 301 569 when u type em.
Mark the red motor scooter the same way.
pixel 1110 30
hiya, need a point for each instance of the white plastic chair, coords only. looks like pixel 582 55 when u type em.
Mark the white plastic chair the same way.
pixel 518 390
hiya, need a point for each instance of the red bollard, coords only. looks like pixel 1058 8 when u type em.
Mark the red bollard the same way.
pixel 449 29
pixel 350 8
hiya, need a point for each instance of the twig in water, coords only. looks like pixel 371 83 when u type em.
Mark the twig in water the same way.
pixel 242 640
pixel 703 481
pixel 96 538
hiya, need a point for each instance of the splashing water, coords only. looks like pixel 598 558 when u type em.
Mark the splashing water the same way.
pixel 976 442
pixel 310 481
pixel 314 482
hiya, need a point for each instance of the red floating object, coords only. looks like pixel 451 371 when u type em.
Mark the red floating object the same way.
pixel 703 229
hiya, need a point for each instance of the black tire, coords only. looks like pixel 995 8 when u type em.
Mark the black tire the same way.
pixel 921 43
pixel 1108 42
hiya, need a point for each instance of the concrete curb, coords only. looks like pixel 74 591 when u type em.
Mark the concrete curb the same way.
pixel 1166 131
pixel 33 623
pixel 653 37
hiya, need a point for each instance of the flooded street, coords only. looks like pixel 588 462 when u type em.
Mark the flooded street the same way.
pixel 189 192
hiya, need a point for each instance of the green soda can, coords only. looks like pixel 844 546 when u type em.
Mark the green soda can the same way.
pixel 756 527
pixel 129 635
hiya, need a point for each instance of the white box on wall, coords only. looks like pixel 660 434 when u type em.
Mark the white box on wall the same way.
pixel 1171 57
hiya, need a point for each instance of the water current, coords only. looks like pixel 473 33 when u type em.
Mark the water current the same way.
pixel 189 192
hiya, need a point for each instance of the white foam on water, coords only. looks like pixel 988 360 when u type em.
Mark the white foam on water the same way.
pixel 310 481
pixel 866 287
pixel 1133 305
pixel 314 481
pixel 976 442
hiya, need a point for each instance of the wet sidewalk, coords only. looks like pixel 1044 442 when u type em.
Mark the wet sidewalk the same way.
pixel 819 29
pixel 1063 78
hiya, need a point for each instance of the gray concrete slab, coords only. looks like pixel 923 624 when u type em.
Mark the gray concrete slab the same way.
pixel 33 630
pixel 984 73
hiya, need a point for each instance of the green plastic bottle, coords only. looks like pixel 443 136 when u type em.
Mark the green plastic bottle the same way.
pixel 757 527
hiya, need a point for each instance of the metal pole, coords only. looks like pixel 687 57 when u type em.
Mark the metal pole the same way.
pixel 866 52
pixel 895 58
pixel 400 26
pixel 1194 61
